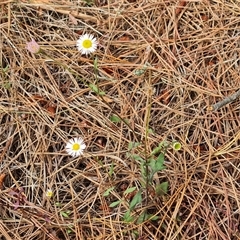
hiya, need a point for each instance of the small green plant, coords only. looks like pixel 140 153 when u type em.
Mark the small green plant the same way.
pixel 107 192
pixel 111 170
pixel 5 83
pixel 149 167
pixel 89 2
pixel 95 89
pixel 115 119
pixel 139 72
pixel 66 215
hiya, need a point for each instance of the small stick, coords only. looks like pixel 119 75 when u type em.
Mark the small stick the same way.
pixel 225 101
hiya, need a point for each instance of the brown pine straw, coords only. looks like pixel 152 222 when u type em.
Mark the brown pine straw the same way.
pixel 161 65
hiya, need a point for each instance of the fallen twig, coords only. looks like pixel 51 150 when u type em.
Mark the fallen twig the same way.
pixel 225 101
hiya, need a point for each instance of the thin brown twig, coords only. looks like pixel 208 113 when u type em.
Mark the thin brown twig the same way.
pixel 225 101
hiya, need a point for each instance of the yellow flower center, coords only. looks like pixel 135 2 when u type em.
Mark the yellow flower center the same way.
pixel 76 146
pixel 87 43
pixel 49 193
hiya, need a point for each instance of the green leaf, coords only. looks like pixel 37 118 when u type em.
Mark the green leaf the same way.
pixel 150 131
pixel 111 170
pixel 135 234
pixel 142 218
pixel 88 2
pixel 157 165
pixel 136 199
pixel 5 69
pixel 107 192
pixel 7 85
pixel 139 72
pixel 145 216
pixel 65 214
pixel 161 146
pixel 132 145
pixel 153 218
pixel 129 190
pixel 100 162
pixel 159 162
pixel 136 157
pixel 94 88
pixel 70 229
pixel 156 150
pixel 114 204
pixel 127 217
pixel 162 188
pixel 115 119
pixel 58 204
pixel 102 93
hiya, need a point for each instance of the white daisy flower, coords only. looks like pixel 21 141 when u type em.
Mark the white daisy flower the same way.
pixel 86 44
pixel 49 193
pixel 75 147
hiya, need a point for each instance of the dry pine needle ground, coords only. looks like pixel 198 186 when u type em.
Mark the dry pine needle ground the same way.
pixel 189 51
